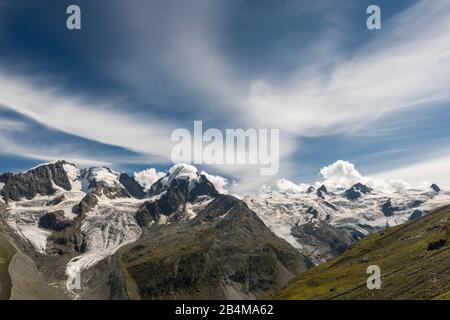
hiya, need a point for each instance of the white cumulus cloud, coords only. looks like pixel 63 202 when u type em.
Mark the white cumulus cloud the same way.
pixel 220 183
pixel 284 185
pixel 343 174
pixel 148 177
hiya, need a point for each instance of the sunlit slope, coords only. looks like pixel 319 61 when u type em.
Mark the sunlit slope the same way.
pixel 414 259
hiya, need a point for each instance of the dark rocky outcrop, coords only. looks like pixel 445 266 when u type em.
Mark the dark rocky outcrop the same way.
pixel 56 200
pixel 101 188
pixel 326 241
pixel 415 203
pixel 322 191
pixel 225 252
pixel 356 191
pixel 353 230
pixel 39 180
pixel 388 209
pixel 435 245
pixel 54 221
pixel 86 204
pixel 435 187
pixel 132 186
pixel 172 197
pixel 310 189
pixel 416 215
pixel 313 212
pixel 69 239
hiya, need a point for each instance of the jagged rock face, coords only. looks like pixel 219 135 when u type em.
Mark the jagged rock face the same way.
pixel 39 180
pixel 54 221
pixel 172 197
pixel 131 185
pixel 167 204
pixel 322 191
pixel 67 240
pixel 310 189
pixel 321 240
pixel 225 252
pixel 57 200
pixel 86 204
pixel 353 230
pixel 203 188
pixel 435 187
pixel 416 215
pixel 103 182
pixel 313 212
pixel 356 191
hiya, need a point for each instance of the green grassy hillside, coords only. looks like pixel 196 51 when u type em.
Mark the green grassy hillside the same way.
pixel 414 259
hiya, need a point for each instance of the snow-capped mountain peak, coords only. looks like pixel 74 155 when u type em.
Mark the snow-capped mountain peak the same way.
pixel 95 175
pixel 182 171
pixel 356 191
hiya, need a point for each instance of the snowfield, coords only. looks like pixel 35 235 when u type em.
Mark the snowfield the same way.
pixel 109 223
pixel 106 230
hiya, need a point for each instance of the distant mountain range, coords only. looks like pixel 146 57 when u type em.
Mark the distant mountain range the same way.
pixel 322 224
pixel 179 239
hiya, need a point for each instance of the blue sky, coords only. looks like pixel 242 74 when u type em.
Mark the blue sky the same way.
pixel 112 93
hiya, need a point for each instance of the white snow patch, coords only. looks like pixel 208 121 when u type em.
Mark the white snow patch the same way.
pixel 107 229
pixel 37 237
pixel 73 174
pixel 41 165
pixel 27 228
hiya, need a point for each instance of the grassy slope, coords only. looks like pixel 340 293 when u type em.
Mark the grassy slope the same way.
pixel 409 269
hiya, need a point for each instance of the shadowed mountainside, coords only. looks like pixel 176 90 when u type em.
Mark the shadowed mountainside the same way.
pixel 225 252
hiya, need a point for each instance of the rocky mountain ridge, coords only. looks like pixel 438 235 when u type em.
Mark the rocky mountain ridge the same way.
pixel 76 220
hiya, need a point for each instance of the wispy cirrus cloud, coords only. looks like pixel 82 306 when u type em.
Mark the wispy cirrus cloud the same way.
pixel 105 122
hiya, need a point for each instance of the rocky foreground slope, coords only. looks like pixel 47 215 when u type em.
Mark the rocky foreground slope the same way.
pixel 98 234
pixel 414 259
